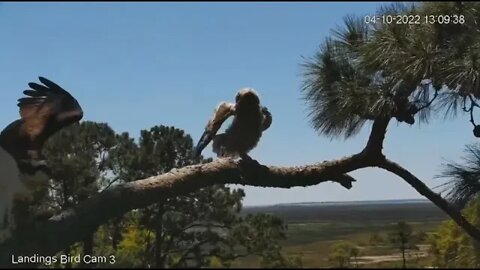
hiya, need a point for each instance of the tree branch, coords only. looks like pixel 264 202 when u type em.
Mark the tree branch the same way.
pixel 373 150
pixel 473 104
pixel 110 183
pixel 429 103
pixel 69 227
pixel 374 145
pixel 440 202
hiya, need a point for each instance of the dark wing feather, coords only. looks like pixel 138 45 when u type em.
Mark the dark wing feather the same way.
pixel 33 93
pixel 47 105
pixel 223 111
pixel 39 88
pixel 30 100
pixel 52 86
pixel 267 118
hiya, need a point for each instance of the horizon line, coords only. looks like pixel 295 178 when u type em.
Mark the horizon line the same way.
pixel 332 202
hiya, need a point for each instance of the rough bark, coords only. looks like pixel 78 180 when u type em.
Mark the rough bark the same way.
pixel 74 225
pixel 374 145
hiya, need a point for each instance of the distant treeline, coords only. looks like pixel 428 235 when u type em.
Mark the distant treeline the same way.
pixel 374 212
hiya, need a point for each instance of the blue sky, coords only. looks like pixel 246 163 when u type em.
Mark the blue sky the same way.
pixel 135 65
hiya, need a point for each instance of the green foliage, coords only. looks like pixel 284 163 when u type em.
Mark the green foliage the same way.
pixel 452 247
pixel 340 93
pixel 199 229
pixel 259 230
pixel 78 161
pixel 403 238
pixel 366 71
pixel 132 249
pixel 78 157
pixel 375 239
pixel 463 185
pixel 342 252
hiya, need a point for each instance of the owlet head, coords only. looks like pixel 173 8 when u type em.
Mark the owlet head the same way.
pixel 247 95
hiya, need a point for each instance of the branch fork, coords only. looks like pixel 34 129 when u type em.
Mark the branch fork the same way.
pixel 69 227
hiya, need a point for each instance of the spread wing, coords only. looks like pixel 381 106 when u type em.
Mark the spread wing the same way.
pixel 267 118
pixel 223 111
pixel 47 109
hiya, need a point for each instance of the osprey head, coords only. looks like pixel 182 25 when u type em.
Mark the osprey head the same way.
pixel 247 95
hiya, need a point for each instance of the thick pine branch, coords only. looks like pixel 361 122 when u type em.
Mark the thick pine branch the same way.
pixel 374 148
pixel 69 227
pixel 375 141
pixel 440 202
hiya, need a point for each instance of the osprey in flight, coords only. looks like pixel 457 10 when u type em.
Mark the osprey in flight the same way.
pixel 250 119
pixel 46 109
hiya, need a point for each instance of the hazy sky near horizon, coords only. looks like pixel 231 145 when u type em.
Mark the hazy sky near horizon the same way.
pixel 136 65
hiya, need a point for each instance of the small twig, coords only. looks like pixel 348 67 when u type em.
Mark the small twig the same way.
pixel 471 117
pixel 53 187
pixel 470 110
pixel 428 103
pixel 473 101
pixel 465 105
pixel 110 183
pixel 473 104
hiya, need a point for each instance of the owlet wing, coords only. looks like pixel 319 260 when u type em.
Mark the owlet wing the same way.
pixel 221 113
pixel 267 119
